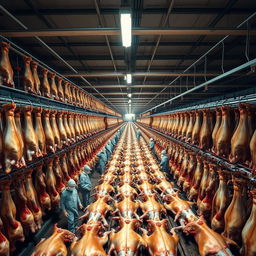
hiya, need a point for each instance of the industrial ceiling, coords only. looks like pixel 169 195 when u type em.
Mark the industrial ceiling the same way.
pixel 167 38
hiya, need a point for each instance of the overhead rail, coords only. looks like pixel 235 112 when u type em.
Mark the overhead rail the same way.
pixel 24 98
pixel 174 31
pixel 235 100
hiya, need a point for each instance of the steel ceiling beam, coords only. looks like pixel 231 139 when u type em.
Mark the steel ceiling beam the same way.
pixel 141 57
pixel 141 68
pixel 72 32
pixel 111 74
pixel 116 11
pixel 121 98
pixel 152 93
pixel 161 86
pixel 100 44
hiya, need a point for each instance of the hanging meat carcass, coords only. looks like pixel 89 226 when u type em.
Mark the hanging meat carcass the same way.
pixel 32 200
pixel 50 181
pixel 77 128
pixel 1 142
pixel 193 192
pixel 90 243
pixel 17 118
pixel 58 175
pixel 205 139
pixel 62 131
pixel 197 128
pixel 190 172
pixel 29 83
pixel 4 243
pixel 181 124
pixel 40 186
pixel 55 130
pixel 55 244
pixel 224 133
pixel 66 127
pixel 190 127
pixel 13 228
pixel 45 87
pixel 53 87
pixel 39 130
pixel 220 203
pixel 37 82
pixel 49 136
pixel 240 151
pixel 66 92
pixel 60 89
pixel 203 184
pixel 236 213
pixel 71 126
pixel 13 152
pixel 216 127
pixel 25 215
pixel 64 167
pixel 5 65
pixel 30 139
pixel 249 231
pixel 181 175
pixel 185 126
pixel 160 242
pixel 253 152
pixel 205 206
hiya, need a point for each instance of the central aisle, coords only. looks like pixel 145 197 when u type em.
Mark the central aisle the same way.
pixel 128 212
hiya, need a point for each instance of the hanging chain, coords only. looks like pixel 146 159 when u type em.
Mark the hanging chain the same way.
pixel 222 57
pixel 247 44
pixel 205 70
pixel 194 75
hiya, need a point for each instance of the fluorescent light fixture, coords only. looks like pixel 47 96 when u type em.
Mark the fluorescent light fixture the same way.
pixel 126 29
pixel 129 101
pixel 129 78
pixel 129 95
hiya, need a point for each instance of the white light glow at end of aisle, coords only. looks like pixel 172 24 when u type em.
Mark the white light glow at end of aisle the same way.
pixel 126 29
pixel 129 94
pixel 129 117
